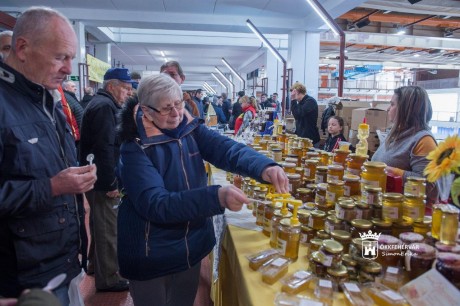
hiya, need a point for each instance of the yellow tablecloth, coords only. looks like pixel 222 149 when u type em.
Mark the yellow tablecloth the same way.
pixel 240 285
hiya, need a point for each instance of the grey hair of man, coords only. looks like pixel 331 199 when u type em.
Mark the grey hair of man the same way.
pixel 66 83
pixel 154 88
pixel 173 64
pixel 89 91
pixel 106 83
pixel 34 23
pixel 6 33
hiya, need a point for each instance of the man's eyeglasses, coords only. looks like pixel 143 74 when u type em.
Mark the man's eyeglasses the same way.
pixel 178 105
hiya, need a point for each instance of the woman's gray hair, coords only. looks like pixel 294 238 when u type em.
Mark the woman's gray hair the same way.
pixel 154 88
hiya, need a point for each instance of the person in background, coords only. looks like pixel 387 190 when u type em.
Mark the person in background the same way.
pixel 98 137
pixel 197 98
pixel 226 106
pixel 276 102
pixel 217 105
pixel 236 111
pixel 305 111
pixel 335 129
pixel 190 106
pixel 410 139
pixel 264 102
pixel 249 107
pixel 174 70
pixel 89 94
pixel 136 77
pixel 42 223
pixel 70 90
pixel 165 219
pixel 5 43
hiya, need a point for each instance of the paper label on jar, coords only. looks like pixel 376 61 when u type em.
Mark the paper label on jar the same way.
pixel 330 196
pixel 390 212
pixel 346 191
pixel 413 189
pixel 352 287
pixel 303 238
pixel 325 283
pixel 392 295
pixel 392 270
pixel 327 261
pixel 359 214
pixel 320 199
pixel 369 198
pixel 290 187
pixel 301 274
pixel 267 225
pixel 341 213
pixel 354 171
pixel 333 177
pixel 282 245
pixel 319 179
pixel 310 222
pixel 306 172
pixel 413 212
pixel 278 262
pixel 370 183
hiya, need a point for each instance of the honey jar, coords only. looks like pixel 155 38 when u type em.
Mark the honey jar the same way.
pixel 315 245
pixel 268 216
pixel 351 266
pixel 448 264
pixel 332 224
pixel 400 227
pixel 333 251
pixel 340 157
pixel 415 186
pixel 289 239
pixel 303 215
pixel 343 237
pixel 312 154
pixel 360 226
pixel 310 168
pixel 257 139
pixel 363 211
pixel 320 197
pixel 373 174
pixel 277 154
pixel 423 227
pixel 274 270
pixel 355 163
pixel 321 234
pixel 382 226
pixel 352 185
pixel 372 196
pixel 288 167
pixel 294 182
pixel 325 158
pixel 260 212
pixel 370 272
pixel 419 259
pixel 334 173
pixel 334 190
pixel 345 210
pixel 277 217
pixel 436 218
pixel 317 219
pixel 449 225
pixel 321 174
pixel 392 209
pixel 292 158
pixel 337 275
pixel 305 195
pixel 316 264
pixel 306 234
pixel 414 207
pixel 263 144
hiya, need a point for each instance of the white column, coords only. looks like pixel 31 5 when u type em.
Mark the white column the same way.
pixel 79 29
pixel 103 52
pixel 303 58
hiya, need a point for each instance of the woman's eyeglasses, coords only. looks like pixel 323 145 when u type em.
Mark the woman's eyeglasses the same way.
pixel 178 105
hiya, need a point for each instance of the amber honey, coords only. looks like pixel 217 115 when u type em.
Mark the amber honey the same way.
pixel 289 239
pixel 352 186
pixel 355 163
pixel 414 207
pixel 334 190
pixel 334 173
pixel 373 174
pixel 392 209
pixel 310 168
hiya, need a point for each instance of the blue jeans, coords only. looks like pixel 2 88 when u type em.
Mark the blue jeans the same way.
pixel 62 293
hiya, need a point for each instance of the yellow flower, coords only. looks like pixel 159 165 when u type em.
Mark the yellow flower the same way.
pixel 444 160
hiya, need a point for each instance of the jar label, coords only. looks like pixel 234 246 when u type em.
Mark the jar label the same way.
pixel 282 245
pixel 370 183
pixel 327 261
pixel 390 212
pixel 330 196
pixel 310 222
pixel 319 179
pixel 290 187
pixel 352 287
pixel 320 199
pixel 359 214
pixel 369 198
pixel 307 172
pixel 333 177
pixel 413 212
pixel 303 238
pixel 354 171
pixel 346 190
pixel 340 213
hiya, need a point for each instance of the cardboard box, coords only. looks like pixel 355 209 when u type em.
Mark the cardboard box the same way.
pixel 376 118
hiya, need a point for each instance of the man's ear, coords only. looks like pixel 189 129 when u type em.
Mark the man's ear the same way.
pixel 21 46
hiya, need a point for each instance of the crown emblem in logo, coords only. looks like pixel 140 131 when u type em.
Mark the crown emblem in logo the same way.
pixel 370 235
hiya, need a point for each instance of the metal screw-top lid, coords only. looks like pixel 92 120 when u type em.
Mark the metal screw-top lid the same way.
pixel 372 267
pixel 332 246
pixel 293 176
pixel 349 261
pixel 351 178
pixel 347 204
pixel 321 234
pixel 322 186
pixel 287 222
pixel 382 223
pixel 393 196
pixel 340 234
pixel 335 167
pixel 340 271
pixel 361 223
pixel 373 164
pixel 373 189
pixel 318 214
pixel 416 179
pixel 304 190
pixel 303 212
pixel 336 182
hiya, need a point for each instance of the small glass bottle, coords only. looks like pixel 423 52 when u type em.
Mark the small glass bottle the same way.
pixel 334 173
pixel 392 209
pixel 373 174
pixel 423 227
pixel 345 210
pixel 268 216
pixel 343 237
pixel 310 168
pixel 415 186
pixel 449 225
pixel 352 185
pixel 436 220
pixel 321 174
pixel 320 197
pixel 294 182
pixel 334 190
pixel 363 211
pixel 340 157
pixel 277 217
pixel 414 207
pixel 317 219
pixel 360 226
pixel 289 239
pixel 355 163
pixel 306 195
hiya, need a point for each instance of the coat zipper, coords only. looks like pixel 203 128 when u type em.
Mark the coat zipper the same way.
pixel 179 141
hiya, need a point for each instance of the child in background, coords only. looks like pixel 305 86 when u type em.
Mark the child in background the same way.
pixel 335 130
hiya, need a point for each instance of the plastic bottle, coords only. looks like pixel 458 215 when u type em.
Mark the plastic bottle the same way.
pixel 363 134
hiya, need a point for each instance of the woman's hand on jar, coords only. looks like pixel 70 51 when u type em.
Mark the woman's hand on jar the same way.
pixel 277 177
pixel 231 197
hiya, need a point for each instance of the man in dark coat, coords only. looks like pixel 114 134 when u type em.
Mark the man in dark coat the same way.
pixel 305 111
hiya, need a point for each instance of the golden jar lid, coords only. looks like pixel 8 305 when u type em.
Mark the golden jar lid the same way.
pixel 372 267
pixel 393 196
pixel 312 161
pixel 427 220
pixel 293 176
pixel 351 178
pixel 322 186
pixel 417 179
pixel 318 214
pixel 346 205
pixel 321 234
pixel 333 219
pixel 276 149
pixel 312 153
pixel 382 223
pixel 340 271
pixel 318 256
pixel 340 234
pixel 332 246
pixel 288 165
pixel 279 214
pixel 361 223
pixel 303 212
pixel 345 199
pixel 372 189
pixel 291 160
pixel 304 190
pixel 307 229
pixel 310 206
pixel 336 182
pixel 335 167
pixel 358 242
pixel 356 156
pixel 286 222
pixel 247 179
pixel 349 261
pixel 316 242
pixel 277 205
pixel 362 205
pixel 299 169
pixel 341 151
pixel 321 169
pixel 312 186
pixel 373 164
pixel 415 197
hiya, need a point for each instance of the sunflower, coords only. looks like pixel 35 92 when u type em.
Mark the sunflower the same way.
pixel 444 159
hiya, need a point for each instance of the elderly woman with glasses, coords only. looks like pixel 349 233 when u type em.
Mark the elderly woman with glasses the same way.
pixel 164 220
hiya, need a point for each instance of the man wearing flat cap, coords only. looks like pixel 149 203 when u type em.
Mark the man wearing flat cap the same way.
pixel 98 137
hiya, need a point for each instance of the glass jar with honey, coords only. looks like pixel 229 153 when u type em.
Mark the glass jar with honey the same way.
pixel 321 174
pixel 360 226
pixel 260 211
pixel 315 245
pixel 340 157
pixel 294 182
pixel 392 209
pixel 370 272
pixel 415 186
pixel 448 264
pixel 333 251
pixel 316 265
pixel 414 207
pixel 289 239
pixel 363 211
pixel 305 195
pixel 332 224
pixel 268 216
pixel 277 154
pixel 355 163
pixel 352 185
pixel 334 191
pixel 306 234
pixel 382 226
pixel 408 238
pixel 449 225
pixel 288 167
pixel 436 217
pixel 373 174
pixel 321 234
pixel 334 173
pixel 310 168
pixel 345 210
pixel 372 196
pixel 317 219
pixel 292 158
pixel 343 237
pixel 320 197
pixel 277 217
pixel 303 215
pixel 338 276
pixel 325 158
pixel 263 144
pixel 423 227
pixel 351 266
pixel 313 154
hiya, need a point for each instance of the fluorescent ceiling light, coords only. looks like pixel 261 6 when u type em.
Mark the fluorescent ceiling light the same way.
pixel 400 31
pixel 162 54
pixel 265 41
pixel 210 88
pixel 222 75
pixel 323 17
pixel 217 79
pixel 166 59
pixel 232 70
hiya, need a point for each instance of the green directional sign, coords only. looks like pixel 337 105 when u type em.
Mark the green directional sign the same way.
pixel 74 78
